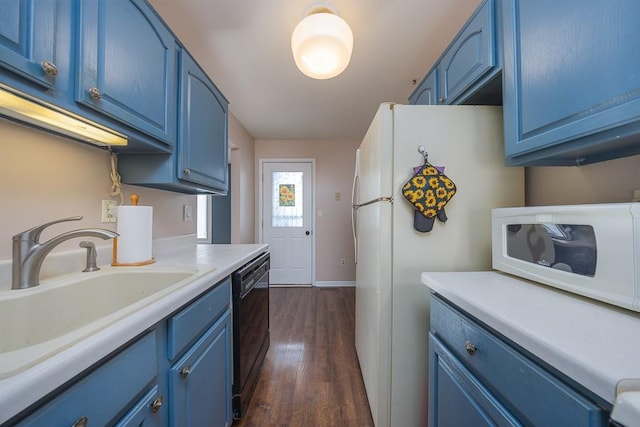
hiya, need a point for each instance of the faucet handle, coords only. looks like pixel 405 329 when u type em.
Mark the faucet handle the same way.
pixel 33 234
pixel 92 256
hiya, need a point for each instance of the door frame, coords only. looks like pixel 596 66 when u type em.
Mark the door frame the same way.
pixel 261 163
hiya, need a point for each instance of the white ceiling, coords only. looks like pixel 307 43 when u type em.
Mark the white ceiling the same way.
pixel 244 46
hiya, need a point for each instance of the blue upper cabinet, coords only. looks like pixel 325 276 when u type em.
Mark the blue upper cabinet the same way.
pixel 199 162
pixel 202 156
pixel 471 55
pixel 128 65
pixel 27 40
pixel 571 81
pixel 468 71
pixel 427 92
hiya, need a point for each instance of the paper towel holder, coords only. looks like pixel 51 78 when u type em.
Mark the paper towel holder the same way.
pixel 134 202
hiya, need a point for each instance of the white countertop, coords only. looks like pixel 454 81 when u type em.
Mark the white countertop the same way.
pixel 213 263
pixel 593 343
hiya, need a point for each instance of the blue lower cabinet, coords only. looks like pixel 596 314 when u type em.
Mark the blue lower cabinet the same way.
pixel 102 396
pixel 473 368
pixel 200 382
pixel 177 374
pixel 456 397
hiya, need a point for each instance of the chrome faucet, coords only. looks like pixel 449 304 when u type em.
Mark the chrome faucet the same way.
pixel 29 253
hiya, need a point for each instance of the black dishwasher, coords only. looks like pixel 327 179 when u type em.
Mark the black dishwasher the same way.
pixel 250 296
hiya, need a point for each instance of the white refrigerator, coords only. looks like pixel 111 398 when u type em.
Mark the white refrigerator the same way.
pixel 392 306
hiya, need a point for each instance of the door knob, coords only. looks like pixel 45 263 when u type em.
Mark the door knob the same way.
pixel 307 232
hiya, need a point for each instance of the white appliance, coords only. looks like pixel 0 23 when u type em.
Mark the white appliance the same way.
pixel 591 250
pixel 392 306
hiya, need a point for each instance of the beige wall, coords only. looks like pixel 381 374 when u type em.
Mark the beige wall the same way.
pixel 334 162
pixel 45 177
pixel 605 182
pixel 243 182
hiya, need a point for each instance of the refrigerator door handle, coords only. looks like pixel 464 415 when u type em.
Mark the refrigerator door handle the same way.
pixel 354 211
pixel 372 201
pixel 354 225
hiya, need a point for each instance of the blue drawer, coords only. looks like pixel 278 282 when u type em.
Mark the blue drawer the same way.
pixel 530 392
pixel 102 395
pixel 187 325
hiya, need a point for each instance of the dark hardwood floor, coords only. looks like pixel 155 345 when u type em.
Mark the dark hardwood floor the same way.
pixel 311 375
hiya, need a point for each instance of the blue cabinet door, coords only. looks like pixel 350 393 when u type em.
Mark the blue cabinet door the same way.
pixel 202 155
pixel 571 81
pixel 471 55
pixel 427 92
pixel 457 397
pixel 146 413
pixel 200 382
pixel 127 65
pixel 27 39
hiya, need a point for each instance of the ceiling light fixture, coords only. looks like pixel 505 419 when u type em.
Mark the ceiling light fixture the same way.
pixel 322 43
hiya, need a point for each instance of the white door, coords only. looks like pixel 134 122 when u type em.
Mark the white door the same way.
pixel 287 219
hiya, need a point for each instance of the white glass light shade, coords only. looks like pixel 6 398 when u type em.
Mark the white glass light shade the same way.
pixel 322 44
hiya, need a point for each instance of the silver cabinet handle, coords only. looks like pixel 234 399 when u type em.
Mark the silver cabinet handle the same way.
pixel 470 347
pixel 440 100
pixel 187 171
pixel 49 68
pixel 95 93
pixel 185 371
pixel 81 422
pixel 155 406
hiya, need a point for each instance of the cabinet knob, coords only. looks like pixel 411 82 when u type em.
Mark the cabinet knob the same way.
pixel 471 349
pixel 155 406
pixel 440 100
pixel 95 93
pixel 81 422
pixel 187 171
pixel 185 371
pixel 49 68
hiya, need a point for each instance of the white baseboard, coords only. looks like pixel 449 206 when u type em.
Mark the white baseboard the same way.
pixel 334 284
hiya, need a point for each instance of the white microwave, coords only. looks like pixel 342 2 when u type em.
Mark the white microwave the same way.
pixel 591 250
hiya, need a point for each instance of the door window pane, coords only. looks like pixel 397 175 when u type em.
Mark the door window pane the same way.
pixel 287 199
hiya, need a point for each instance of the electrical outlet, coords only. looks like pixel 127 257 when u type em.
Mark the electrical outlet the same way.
pixel 338 196
pixel 109 211
pixel 343 262
pixel 187 213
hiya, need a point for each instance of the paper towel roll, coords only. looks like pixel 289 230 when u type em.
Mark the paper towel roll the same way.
pixel 135 229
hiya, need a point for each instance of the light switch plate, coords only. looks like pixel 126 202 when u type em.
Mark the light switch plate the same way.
pixel 187 213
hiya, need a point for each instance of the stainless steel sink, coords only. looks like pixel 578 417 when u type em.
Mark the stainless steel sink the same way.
pixel 41 321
